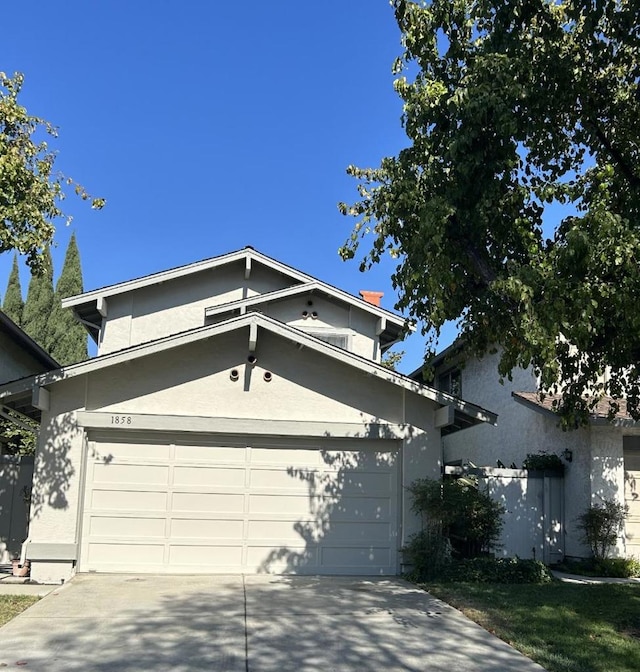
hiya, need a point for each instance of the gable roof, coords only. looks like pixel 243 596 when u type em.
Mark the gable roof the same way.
pixel 19 392
pixel 87 309
pixel 599 415
pixel 24 341
pixel 391 325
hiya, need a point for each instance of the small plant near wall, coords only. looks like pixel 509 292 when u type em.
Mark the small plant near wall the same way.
pixel 600 526
pixel 543 461
pixel 460 521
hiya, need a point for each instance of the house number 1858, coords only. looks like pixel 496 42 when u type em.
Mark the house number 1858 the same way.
pixel 120 419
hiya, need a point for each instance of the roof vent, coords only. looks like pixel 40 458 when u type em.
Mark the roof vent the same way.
pixel 371 297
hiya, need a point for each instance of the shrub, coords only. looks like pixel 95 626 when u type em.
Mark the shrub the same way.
pixel 428 552
pixel 543 460
pixel 600 526
pixel 457 510
pixel 620 568
pixel 459 520
pixel 496 570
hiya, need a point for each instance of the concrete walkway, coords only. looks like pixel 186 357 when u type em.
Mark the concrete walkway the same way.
pixel 126 623
pixel 589 580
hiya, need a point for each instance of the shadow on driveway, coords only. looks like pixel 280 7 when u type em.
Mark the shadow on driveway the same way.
pixel 248 624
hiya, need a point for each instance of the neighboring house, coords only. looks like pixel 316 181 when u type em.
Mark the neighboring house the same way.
pixel 236 419
pixel 19 356
pixel 601 460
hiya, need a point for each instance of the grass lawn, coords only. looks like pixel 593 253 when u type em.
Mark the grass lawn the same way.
pixel 564 627
pixel 12 605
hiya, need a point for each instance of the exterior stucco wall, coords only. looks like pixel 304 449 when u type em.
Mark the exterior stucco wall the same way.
pixel 195 380
pixel 58 472
pixel 422 456
pixel 331 317
pixel 607 470
pixel 178 305
pixel 14 361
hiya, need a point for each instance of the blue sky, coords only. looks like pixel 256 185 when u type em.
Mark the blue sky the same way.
pixel 211 125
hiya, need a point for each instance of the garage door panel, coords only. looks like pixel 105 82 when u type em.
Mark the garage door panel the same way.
pixel 211 454
pixel 285 456
pixel 353 482
pixel 124 554
pixel 130 473
pixel 361 508
pixel 205 556
pixel 286 559
pixel 354 556
pixel 242 508
pixel 208 476
pixel 263 532
pixel 279 479
pixel 130 526
pixel 280 504
pixel 207 528
pixel 116 452
pixel 366 532
pixel 124 500
pixel 360 459
pixel 191 501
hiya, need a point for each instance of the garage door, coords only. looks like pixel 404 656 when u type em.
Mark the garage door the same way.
pixel 225 505
pixel 632 499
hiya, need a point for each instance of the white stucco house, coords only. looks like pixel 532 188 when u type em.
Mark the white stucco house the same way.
pixel 601 460
pixel 235 419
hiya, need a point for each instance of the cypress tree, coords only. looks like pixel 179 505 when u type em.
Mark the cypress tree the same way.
pixel 37 308
pixel 13 305
pixel 66 337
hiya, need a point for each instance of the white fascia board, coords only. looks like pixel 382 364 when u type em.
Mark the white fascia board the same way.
pixel 180 271
pixel 305 288
pixel 270 324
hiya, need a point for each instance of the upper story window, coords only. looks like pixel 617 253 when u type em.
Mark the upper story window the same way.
pixel 451 382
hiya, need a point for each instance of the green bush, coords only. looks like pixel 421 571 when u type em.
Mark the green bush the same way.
pixel 620 568
pixel 428 553
pixel 543 460
pixel 600 526
pixel 458 511
pixel 496 570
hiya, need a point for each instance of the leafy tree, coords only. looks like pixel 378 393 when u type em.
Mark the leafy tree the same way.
pixel 66 338
pixel 391 360
pixel 13 304
pixel 515 207
pixel 18 436
pixel 37 308
pixel 30 190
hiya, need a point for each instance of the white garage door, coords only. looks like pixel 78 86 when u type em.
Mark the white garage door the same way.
pixel 632 499
pixel 278 506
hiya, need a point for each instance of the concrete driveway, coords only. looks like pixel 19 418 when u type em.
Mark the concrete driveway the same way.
pixel 248 624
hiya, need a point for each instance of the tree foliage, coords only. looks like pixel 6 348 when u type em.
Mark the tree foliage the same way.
pixel 13 304
pixel 39 303
pixel 30 189
pixel 515 207
pixel 66 339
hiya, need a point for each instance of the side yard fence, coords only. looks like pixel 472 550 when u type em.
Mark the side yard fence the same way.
pixel 534 509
